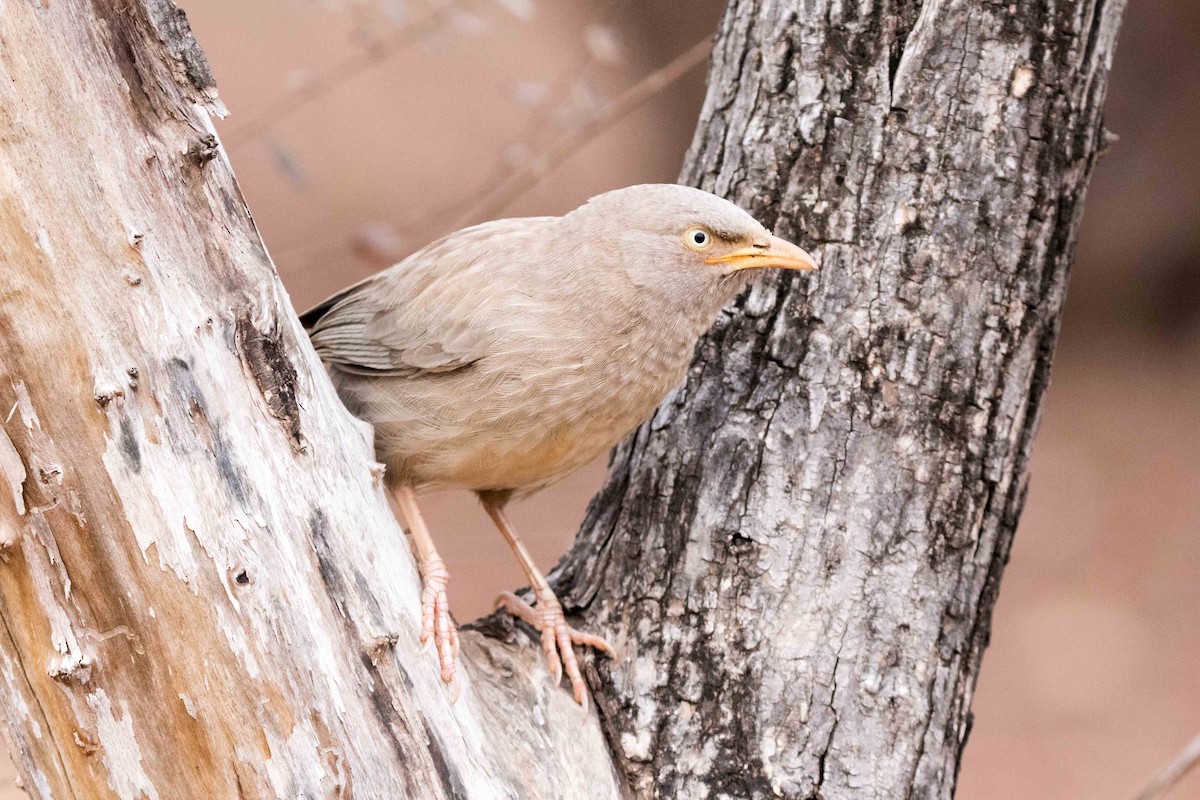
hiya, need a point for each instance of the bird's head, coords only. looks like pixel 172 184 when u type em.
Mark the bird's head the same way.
pixel 685 240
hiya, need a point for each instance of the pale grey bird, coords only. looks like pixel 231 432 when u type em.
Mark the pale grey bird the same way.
pixel 504 356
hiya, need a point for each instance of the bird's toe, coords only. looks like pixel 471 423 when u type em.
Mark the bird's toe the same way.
pixel 437 626
pixel 558 638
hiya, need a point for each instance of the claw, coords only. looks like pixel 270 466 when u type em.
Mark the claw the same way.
pixel 437 628
pixel 558 638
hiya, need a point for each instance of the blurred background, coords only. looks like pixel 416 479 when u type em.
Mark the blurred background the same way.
pixel 362 129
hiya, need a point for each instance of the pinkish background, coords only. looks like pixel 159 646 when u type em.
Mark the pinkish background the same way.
pixel 1092 679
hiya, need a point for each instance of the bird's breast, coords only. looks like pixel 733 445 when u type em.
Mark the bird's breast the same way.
pixel 543 405
pixel 536 420
pixel 587 406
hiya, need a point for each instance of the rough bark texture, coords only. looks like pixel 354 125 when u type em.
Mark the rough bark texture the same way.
pixel 799 555
pixel 203 594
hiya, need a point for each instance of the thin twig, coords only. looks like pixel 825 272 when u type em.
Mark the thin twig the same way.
pixel 525 178
pixel 1171 774
pixel 518 181
pixel 373 53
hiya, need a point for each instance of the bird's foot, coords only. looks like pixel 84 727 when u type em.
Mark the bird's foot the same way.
pixel 558 638
pixel 437 628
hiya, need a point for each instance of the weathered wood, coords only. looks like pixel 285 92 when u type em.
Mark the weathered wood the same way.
pixel 204 595
pixel 799 555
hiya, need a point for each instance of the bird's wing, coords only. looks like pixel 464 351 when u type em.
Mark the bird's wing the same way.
pixel 421 316
pixel 361 334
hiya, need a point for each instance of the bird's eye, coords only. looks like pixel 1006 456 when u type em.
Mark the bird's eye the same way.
pixel 697 238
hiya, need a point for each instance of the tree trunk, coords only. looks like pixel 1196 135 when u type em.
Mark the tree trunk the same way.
pixel 204 595
pixel 798 557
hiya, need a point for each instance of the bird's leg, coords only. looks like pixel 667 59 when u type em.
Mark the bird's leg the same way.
pixel 546 616
pixel 436 623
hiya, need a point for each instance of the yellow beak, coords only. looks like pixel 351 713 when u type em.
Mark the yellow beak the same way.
pixel 777 253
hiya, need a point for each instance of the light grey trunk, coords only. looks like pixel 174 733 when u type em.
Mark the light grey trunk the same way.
pixel 204 595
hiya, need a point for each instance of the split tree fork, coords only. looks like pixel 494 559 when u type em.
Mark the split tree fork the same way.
pixel 203 593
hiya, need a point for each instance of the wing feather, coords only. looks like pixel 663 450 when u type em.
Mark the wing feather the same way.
pixel 421 316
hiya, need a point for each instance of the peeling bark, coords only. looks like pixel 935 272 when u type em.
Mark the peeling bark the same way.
pixel 203 593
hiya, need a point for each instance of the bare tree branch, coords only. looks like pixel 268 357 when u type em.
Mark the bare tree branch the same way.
pixel 1173 772
pixel 373 53
pixel 523 179
pixel 515 182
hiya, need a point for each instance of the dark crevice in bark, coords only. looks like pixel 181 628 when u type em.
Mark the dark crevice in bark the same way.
pixel 1094 39
pixel 901 22
pixel 266 356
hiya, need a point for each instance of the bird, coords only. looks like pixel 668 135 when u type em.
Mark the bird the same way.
pixel 506 355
